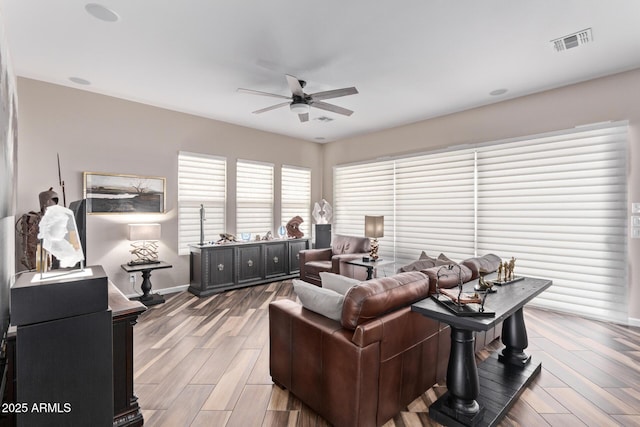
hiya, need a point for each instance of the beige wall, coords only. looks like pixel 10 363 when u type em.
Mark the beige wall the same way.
pixel 102 134
pixel 611 98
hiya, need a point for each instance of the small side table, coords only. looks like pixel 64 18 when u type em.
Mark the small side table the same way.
pixel 369 265
pixel 147 298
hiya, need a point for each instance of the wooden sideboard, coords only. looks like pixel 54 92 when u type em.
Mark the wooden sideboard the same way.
pixel 218 268
pixel 126 411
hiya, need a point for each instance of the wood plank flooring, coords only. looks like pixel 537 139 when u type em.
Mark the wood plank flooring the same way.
pixel 205 362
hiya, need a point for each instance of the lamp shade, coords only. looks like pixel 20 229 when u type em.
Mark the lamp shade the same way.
pixel 144 232
pixel 374 226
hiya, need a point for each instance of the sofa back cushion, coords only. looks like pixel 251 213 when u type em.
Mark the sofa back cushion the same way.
pixel 373 298
pixel 349 244
pixel 488 263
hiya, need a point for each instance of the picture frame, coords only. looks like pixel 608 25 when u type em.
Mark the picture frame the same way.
pixel 124 194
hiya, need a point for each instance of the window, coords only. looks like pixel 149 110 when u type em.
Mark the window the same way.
pixel 296 196
pixel 556 202
pixel 254 197
pixel 201 181
pixel 434 205
pixel 365 189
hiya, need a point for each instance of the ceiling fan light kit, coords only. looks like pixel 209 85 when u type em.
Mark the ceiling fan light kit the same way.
pixel 301 102
pixel 299 107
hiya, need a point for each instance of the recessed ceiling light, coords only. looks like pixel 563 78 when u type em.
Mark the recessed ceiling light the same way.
pixel 498 92
pixel 102 13
pixel 80 81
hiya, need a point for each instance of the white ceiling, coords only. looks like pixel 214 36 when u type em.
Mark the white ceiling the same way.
pixel 410 60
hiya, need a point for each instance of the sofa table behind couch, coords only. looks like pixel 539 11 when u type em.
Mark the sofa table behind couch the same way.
pixel 482 400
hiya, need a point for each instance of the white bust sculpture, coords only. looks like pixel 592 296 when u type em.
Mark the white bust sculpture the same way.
pixel 59 235
pixel 322 212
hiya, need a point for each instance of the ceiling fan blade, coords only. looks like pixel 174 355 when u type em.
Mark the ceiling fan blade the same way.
pixel 294 85
pixel 331 107
pixel 273 107
pixel 304 117
pixel 335 93
pixel 257 92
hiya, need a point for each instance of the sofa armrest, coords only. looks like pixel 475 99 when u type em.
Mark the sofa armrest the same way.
pixel 337 262
pixel 308 255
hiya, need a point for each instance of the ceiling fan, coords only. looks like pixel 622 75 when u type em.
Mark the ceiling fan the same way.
pixel 300 102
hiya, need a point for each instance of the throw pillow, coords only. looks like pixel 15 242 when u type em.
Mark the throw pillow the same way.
pixel 326 302
pixel 421 264
pixel 424 255
pixel 443 260
pixel 336 282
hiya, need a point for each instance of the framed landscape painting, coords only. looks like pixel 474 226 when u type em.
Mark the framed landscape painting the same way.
pixel 124 194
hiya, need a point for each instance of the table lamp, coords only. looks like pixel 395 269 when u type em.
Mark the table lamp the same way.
pixel 145 243
pixel 374 228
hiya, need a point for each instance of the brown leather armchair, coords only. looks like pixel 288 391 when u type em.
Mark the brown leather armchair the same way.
pixel 343 248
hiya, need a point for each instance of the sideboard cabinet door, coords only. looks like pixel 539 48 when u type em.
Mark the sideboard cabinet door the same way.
pixel 275 259
pixel 250 263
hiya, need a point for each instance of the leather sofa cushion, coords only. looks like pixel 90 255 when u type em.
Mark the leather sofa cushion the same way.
pixel 375 297
pixel 488 262
pixel 349 245
pixel 448 278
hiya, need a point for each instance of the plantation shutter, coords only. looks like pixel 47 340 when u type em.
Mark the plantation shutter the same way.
pixel 557 203
pixel 296 196
pixel 201 181
pixel 254 197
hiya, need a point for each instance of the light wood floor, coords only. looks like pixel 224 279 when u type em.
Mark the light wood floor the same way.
pixel 205 362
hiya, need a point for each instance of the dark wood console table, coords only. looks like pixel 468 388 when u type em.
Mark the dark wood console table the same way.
pixel 482 395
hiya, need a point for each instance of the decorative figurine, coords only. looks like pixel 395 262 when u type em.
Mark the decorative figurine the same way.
pixel 293 227
pixel 322 212
pixel 500 271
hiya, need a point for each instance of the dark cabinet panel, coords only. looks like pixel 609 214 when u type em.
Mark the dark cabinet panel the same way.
pixel 222 267
pixel 217 268
pixel 250 267
pixel 275 259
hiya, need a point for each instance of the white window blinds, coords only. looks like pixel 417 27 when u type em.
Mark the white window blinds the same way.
pixel 364 189
pixel 201 180
pixel 558 205
pixel 296 196
pixel 435 205
pixel 556 202
pixel 254 197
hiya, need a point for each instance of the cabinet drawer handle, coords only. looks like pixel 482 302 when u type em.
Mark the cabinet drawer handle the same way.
pixel 275 259
pixel 220 267
pixel 250 263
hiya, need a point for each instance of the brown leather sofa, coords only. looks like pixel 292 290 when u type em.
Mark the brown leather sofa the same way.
pixel 366 368
pixel 343 248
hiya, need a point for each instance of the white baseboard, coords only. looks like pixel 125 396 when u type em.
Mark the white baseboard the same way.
pixel 164 291
pixel 634 322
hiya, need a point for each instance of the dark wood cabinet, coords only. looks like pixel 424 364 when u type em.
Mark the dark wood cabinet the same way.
pixel 126 411
pixel 124 315
pixel 218 268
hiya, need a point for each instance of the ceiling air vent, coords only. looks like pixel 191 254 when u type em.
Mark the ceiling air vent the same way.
pixel 572 40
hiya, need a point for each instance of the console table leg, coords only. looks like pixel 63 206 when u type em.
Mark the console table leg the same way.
pixel 514 337
pixel 463 382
